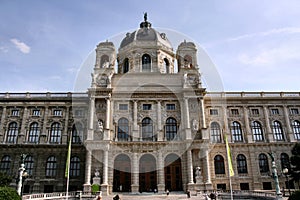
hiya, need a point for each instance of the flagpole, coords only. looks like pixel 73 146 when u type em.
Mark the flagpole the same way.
pixel 229 165
pixel 67 172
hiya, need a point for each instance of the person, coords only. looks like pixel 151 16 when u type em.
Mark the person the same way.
pixel 212 195
pixel 188 193
pixel 167 191
pixel 116 197
pixel 99 197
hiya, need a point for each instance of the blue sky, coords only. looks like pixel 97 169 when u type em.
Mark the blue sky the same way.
pixel 254 44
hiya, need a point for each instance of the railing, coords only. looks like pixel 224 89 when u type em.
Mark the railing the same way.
pixel 237 193
pixel 43 95
pixel 252 94
pixel 55 195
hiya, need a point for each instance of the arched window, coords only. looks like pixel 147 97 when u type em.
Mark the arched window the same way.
pixel 285 161
pixel 77 133
pixel 236 132
pixel 241 164
pixel 296 129
pixel 171 128
pixel 74 167
pixel 51 167
pixel 123 129
pixel 263 163
pixel 29 164
pixel 126 65
pixel 104 62
pixel 277 131
pixel 55 133
pixel 34 132
pixel 5 164
pixel 215 132
pixel 146 63
pixel 257 131
pixel 188 61
pixel 147 129
pixel 12 132
pixel 166 65
pixel 219 164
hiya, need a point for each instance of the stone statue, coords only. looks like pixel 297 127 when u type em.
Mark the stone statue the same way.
pixel 198 172
pixel 100 125
pixel 195 125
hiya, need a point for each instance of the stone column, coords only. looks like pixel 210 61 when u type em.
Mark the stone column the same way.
pixel 135 174
pixel 187 112
pixel 248 132
pixel 203 120
pixel 107 113
pixel 135 133
pixel 289 132
pixel 159 125
pixel 225 119
pixel 188 134
pixel 44 135
pixel 65 133
pixel 207 166
pixel 88 169
pixel 3 116
pixel 189 167
pixel 161 173
pixel 269 134
pixel 104 186
pixel 90 134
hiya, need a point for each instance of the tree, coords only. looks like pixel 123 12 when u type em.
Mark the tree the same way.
pixel 7 193
pixel 5 180
pixel 295 196
pixel 295 161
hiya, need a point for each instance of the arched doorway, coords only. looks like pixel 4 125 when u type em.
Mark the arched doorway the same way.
pixel 173 175
pixel 147 176
pixel 122 174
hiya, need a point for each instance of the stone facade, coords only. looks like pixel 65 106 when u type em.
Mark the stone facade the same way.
pixel 145 126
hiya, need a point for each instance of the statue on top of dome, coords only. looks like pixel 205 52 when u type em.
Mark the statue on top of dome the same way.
pixel 145 16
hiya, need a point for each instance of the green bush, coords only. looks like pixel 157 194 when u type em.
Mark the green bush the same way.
pixel 295 196
pixel 95 188
pixel 7 193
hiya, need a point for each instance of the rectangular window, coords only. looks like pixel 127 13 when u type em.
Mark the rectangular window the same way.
pixel 171 106
pixel 146 106
pixel 275 111
pixel 36 112
pixel 15 112
pixel 57 112
pixel 294 111
pixel 79 113
pixel 123 106
pixel 255 111
pixel 213 112
pixel 234 111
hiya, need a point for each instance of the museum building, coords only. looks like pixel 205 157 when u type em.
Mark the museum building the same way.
pixel 147 123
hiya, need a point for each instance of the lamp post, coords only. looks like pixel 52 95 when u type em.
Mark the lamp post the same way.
pixel 275 176
pixel 21 174
pixel 285 171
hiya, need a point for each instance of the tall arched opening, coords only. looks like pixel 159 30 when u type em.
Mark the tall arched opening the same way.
pixel 122 174
pixel 147 176
pixel 173 175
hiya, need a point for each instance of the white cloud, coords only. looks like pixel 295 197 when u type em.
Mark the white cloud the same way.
pixel 271 56
pixel 285 30
pixel 3 49
pixel 24 48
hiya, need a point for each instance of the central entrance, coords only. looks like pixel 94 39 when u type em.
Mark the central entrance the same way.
pixel 147 175
pixel 173 178
pixel 122 174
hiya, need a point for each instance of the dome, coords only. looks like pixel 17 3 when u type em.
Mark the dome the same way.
pixel 146 34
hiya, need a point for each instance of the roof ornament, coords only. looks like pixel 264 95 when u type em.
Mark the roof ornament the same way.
pixel 145 23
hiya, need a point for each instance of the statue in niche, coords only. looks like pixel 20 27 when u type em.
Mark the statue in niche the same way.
pixel 100 125
pixel 195 125
pixel 105 64
pixel 185 78
pixel 198 174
